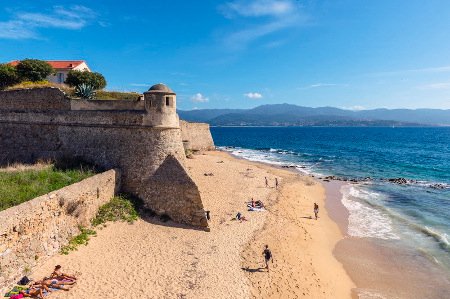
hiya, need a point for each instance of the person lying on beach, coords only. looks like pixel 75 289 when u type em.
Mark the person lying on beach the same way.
pixel 32 292
pixel 57 273
pixel 259 204
pixel 55 283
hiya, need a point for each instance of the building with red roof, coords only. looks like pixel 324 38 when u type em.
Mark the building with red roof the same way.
pixel 62 67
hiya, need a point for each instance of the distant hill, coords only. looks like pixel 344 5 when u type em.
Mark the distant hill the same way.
pixel 293 115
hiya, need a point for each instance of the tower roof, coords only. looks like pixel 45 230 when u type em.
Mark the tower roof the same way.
pixel 160 88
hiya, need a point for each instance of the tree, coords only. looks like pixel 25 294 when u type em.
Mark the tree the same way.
pixel 34 70
pixel 8 76
pixel 76 78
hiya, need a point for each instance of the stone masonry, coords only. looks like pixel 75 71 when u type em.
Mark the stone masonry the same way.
pixel 140 138
pixel 37 229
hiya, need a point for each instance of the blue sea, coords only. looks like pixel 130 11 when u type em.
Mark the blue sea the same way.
pixel 415 213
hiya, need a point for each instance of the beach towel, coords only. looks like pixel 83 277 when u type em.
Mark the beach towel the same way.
pixel 256 208
pixel 15 290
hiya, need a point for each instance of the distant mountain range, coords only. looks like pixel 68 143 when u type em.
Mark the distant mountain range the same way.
pixel 293 115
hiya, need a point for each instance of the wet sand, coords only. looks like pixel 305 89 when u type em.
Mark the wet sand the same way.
pixel 383 268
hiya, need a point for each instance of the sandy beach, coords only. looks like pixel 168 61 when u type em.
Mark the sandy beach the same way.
pixel 150 259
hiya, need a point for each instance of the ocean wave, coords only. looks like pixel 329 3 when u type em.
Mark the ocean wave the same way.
pixel 364 220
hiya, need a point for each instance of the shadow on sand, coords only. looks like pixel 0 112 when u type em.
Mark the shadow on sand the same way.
pixel 253 270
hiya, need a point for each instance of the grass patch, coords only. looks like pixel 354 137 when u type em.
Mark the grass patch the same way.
pixel 80 239
pixel 41 84
pixel 20 186
pixel 119 208
pixel 116 95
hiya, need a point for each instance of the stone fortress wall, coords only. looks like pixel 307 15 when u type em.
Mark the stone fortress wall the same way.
pixel 37 229
pixel 140 138
pixel 196 136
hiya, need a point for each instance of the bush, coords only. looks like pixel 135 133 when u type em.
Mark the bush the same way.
pixel 8 76
pixel 76 78
pixel 120 208
pixel 34 70
pixel 81 239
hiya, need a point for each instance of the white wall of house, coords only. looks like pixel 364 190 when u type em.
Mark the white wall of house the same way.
pixel 61 74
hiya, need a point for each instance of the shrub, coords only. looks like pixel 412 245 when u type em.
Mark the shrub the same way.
pixel 85 91
pixel 76 78
pixel 8 76
pixel 118 208
pixel 34 70
pixel 81 239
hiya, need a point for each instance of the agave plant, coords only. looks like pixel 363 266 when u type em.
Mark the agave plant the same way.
pixel 85 91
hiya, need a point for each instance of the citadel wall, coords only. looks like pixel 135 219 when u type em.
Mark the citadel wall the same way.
pixel 197 136
pixel 45 124
pixel 37 229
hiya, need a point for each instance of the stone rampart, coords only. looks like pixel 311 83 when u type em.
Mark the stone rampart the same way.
pixel 122 138
pixel 196 136
pixel 37 229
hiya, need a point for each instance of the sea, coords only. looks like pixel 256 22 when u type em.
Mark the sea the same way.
pixel 398 179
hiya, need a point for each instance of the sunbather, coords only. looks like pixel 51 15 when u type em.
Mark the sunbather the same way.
pixel 33 292
pixel 240 217
pixel 57 273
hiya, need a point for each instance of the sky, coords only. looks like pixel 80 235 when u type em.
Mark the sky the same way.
pixel 352 54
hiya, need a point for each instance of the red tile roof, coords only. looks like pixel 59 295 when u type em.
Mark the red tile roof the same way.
pixel 57 64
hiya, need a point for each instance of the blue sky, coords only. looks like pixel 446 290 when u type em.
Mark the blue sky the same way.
pixel 243 53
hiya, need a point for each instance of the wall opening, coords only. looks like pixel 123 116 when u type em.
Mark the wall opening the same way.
pixel 168 101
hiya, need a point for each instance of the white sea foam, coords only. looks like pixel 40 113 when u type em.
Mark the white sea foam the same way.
pixel 364 220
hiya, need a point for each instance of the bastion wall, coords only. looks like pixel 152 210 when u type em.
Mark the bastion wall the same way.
pixel 37 229
pixel 140 138
pixel 196 136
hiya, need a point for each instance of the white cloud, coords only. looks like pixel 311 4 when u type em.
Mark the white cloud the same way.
pixel 318 85
pixel 257 8
pixel 25 25
pixel 272 16
pixel 253 95
pixel 355 108
pixel 199 98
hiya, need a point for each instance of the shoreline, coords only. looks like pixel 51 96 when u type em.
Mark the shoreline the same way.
pixel 168 260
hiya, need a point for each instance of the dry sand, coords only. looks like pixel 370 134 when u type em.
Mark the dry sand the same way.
pixel 149 259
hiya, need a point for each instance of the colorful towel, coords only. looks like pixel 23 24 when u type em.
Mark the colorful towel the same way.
pixel 15 290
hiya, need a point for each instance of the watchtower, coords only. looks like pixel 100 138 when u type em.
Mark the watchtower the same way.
pixel 161 106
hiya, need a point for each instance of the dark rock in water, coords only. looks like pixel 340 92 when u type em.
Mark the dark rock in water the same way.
pixel 438 186
pixel 400 181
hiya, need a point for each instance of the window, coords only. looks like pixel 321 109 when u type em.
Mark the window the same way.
pixel 168 100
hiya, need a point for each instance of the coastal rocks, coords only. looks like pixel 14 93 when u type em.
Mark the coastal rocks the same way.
pixel 400 181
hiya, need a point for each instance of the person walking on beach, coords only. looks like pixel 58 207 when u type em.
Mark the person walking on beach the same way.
pixel 267 256
pixel 276 183
pixel 267 183
pixel 316 210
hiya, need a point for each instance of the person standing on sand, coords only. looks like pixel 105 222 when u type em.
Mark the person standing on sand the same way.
pixel 267 183
pixel 267 256
pixel 316 210
pixel 276 183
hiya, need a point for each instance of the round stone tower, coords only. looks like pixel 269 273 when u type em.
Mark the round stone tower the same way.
pixel 161 106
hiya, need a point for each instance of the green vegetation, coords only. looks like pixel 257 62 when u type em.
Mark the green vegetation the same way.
pixel 76 78
pixel 41 84
pixel 85 91
pixel 119 208
pixel 33 70
pixel 8 76
pixel 17 187
pixel 80 239
pixel 117 95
